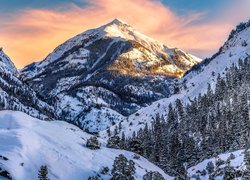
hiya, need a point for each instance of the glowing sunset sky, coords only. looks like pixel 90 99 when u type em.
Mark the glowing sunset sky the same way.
pixel 31 29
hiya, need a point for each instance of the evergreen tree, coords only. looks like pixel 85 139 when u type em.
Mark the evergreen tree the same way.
pixel 43 173
pixel 209 124
pixel 246 173
pixel 123 169
pixel 93 143
pixel 210 167
pixel 229 172
pixel 153 176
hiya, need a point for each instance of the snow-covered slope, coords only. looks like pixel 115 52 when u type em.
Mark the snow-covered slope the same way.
pixel 16 95
pixel 114 32
pixel 236 159
pixel 27 143
pixel 6 64
pixel 196 81
pixel 112 67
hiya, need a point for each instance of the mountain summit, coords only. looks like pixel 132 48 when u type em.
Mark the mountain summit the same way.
pixel 146 54
pixel 108 72
pixel 6 64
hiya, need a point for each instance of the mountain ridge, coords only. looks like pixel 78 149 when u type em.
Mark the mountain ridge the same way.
pixel 91 91
pixel 119 31
pixel 113 64
pixel 196 81
pixel 6 63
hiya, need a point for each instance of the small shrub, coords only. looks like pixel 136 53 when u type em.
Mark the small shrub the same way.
pixel 210 167
pixel 203 172
pixel 93 143
pixel 93 178
pixel 153 176
pixel 136 156
pixel 219 162
pixel 114 142
pixel 104 170
pixel 231 157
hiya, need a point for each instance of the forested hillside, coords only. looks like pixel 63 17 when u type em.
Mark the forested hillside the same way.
pixel 213 123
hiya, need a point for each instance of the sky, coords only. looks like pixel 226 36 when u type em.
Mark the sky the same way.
pixel 31 29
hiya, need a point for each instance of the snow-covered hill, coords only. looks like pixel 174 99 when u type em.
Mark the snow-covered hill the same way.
pixel 113 70
pixel 16 95
pixel 27 143
pixel 196 81
pixel 233 159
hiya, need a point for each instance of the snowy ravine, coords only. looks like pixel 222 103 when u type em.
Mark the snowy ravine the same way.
pixel 27 143
pixel 194 83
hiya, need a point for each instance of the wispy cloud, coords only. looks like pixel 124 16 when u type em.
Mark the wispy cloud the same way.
pixel 31 34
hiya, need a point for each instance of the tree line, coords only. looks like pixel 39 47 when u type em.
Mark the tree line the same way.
pixel 210 124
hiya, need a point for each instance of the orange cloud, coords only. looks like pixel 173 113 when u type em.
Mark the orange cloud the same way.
pixel 30 35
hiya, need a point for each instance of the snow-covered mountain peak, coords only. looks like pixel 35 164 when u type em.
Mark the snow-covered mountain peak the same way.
pixel 123 40
pixel 196 81
pixel 117 22
pixel 121 29
pixel 6 64
pixel 112 69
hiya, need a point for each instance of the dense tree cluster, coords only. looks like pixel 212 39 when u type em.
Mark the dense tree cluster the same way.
pixel 153 176
pixel 20 97
pixel 212 123
pixel 123 169
pixel 242 26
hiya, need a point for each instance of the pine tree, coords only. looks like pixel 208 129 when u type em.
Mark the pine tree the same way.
pixel 123 169
pixel 229 172
pixel 210 167
pixel 114 142
pixel 93 143
pixel 153 176
pixel 43 173
pixel 246 173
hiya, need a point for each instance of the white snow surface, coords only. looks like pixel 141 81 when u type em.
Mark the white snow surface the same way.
pixel 6 64
pixel 237 163
pixel 29 143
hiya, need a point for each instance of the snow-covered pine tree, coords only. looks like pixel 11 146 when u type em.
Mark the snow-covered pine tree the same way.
pixel 93 143
pixel 210 167
pixel 43 173
pixel 153 175
pixel 229 172
pixel 123 169
pixel 217 122
pixel 246 173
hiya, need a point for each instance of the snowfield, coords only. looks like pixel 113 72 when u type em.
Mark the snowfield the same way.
pixel 27 143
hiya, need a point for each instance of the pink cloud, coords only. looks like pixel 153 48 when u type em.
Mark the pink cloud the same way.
pixel 31 34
